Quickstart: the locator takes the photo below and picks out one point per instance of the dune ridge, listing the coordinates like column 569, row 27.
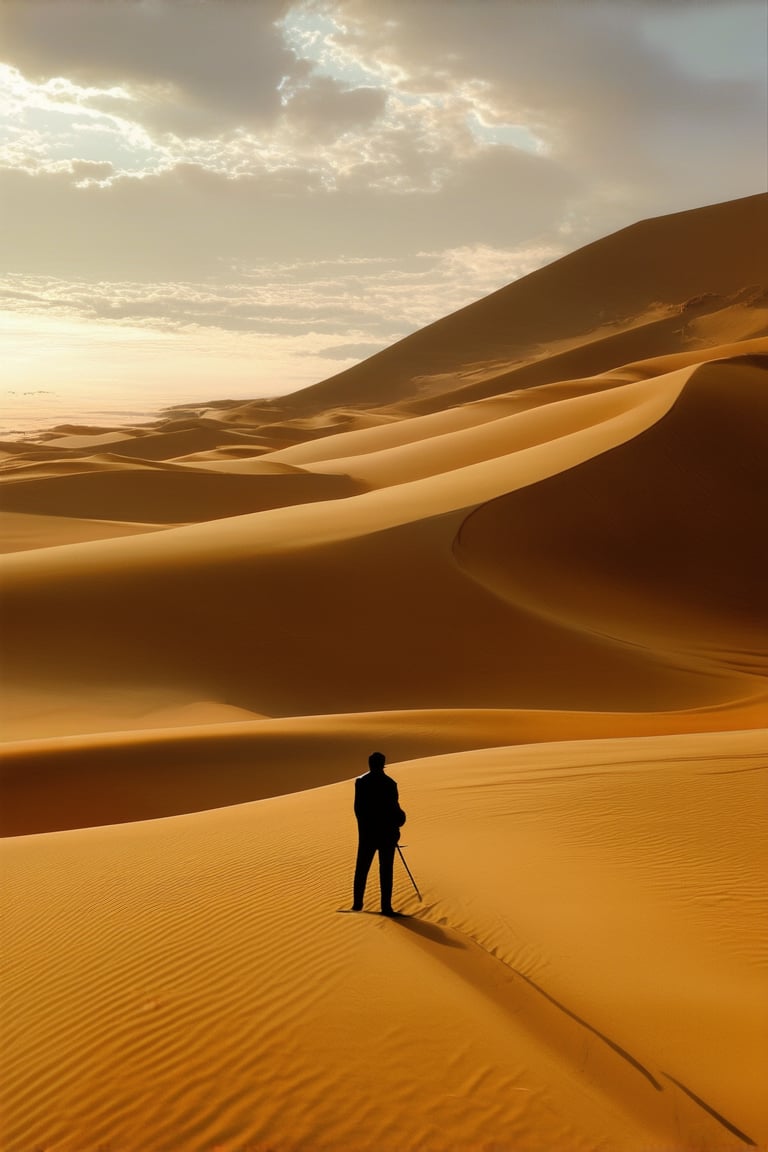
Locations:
column 199, row 764
column 671, row 261
column 522, row 552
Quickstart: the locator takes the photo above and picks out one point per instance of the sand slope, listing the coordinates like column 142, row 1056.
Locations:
column 246, row 610
column 585, row 970
column 686, row 262
column 523, row 553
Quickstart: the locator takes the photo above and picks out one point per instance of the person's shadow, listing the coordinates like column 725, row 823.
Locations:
column 423, row 928
column 428, row 931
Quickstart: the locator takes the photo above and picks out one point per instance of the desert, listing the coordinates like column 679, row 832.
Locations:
column 523, row 553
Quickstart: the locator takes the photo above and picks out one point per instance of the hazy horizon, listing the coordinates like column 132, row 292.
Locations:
column 232, row 200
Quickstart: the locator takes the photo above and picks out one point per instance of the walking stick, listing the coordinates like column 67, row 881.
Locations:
column 399, row 849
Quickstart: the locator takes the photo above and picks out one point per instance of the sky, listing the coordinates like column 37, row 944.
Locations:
column 202, row 199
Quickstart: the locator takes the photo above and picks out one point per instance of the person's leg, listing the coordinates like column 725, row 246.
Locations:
column 386, row 864
column 365, row 854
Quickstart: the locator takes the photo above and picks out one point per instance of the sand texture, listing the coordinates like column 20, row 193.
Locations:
column 522, row 552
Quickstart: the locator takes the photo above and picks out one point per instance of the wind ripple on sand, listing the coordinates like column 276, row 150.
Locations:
column 187, row 983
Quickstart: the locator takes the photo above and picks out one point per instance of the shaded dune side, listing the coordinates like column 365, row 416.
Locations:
column 165, row 496
column 117, row 777
column 20, row 531
column 394, row 433
column 251, row 613
column 384, row 621
column 161, row 442
column 69, row 708
column 534, row 395
column 667, row 260
column 660, row 542
column 593, row 406
column 668, row 336
column 76, row 463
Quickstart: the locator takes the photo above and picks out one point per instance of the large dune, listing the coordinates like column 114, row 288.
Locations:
column 523, row 552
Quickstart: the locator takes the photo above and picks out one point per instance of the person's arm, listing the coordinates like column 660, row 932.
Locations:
column 359, row 805
column 398, row 809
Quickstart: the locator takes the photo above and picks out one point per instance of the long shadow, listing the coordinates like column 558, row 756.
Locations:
column 433, row 933
column 589, row 1027
column 428, row 931
column 717, row 1115
column 423, row 928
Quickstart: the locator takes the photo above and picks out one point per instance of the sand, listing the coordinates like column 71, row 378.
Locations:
column 523, row 553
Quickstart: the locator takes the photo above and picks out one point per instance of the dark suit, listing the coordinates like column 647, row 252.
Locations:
column 379, row 817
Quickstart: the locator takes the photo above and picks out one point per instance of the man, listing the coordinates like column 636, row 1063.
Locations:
column 379, row 819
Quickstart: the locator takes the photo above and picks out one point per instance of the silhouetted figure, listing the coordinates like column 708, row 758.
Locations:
column 379, row 819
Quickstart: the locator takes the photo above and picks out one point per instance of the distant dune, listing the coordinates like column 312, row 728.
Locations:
column 523, row 552
column 695, row 275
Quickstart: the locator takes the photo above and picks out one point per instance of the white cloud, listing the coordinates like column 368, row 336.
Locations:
column 357, row 301
column 189, row 222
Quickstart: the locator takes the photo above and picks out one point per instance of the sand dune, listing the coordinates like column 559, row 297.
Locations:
column 165, row 497
column 542, row 425
column 658, row 543
column 20, row 532
column 171, row 441
column 670, row 260
column 523, row 552
column 369, row 589
column 584, row 971
column 186, row 758
column 667, row 337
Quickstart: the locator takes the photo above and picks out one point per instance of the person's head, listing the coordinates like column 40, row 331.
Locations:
column 376, row 761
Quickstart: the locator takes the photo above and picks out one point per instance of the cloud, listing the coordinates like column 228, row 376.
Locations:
column 336, row 174
column 622, row 127
column 189, row 222
column 586, row 78
column 324, row 110
column 345, row 306
column 194, row 66
column 350, row 351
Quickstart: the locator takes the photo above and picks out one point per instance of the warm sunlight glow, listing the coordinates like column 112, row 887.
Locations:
column 383, row 616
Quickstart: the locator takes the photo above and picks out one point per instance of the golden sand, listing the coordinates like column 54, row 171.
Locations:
column 522, row 552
